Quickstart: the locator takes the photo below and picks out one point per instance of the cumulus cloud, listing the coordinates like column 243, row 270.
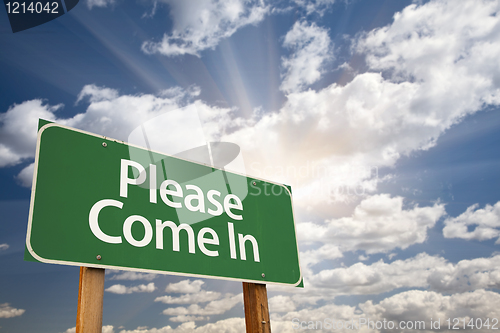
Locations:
column 486, row 223
column 132, row 276
column 315, row 6
column 413, row 305
column 435, row 64
column 121, row 289
column 185, row 287
column 183, row 318
column 99, row 3
column 25, row 177
column 18, row 130
column 200, row 25
column 311, row 49
column 422, row 271
column 281, row 303
column 378, row 277
column 4, row 246
column 378, row 224
column 112, row 115
column 230, row 325
column 198, row 297
column 6, row 311
column 105, row 329
column 216, row 307
column 466, row 275
column 417, row 305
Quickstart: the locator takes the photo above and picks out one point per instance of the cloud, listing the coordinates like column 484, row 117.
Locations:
column 4, row 246
column 311, row 49
column 230, row 325
column 466, row 275
column 6, row 311
column 486, row 221
column 200, row 25
column 281, row 303
column 185, row 287
column 132, row 276
column 417, row 305
column 198, row 297
column 339, row 135
column 315, row 6
column 108, row 114
column 413, row 305
column 216, row 307
column 421, row 271
column 99, row 3
column 378, row 277
column 18, row 130
column 378, row 224
column 25, row 177
column 97, row 94
column 121, row 289
column 183, row 318
column 431, row 67
column 105, row 329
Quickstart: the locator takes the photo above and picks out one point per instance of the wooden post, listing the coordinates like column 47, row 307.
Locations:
column 256, row 309
column 90, row 295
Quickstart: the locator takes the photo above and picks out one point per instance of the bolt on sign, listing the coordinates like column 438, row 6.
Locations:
column 103, row 203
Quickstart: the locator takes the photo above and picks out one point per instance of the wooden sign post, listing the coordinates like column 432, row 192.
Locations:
column 90, row 297
column 256, row 308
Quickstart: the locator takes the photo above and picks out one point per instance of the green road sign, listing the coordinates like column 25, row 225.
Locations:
column 100, row 202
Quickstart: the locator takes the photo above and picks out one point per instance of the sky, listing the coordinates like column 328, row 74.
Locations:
column 380, row 114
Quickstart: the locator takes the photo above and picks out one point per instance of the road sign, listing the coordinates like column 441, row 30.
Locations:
column 99, row 202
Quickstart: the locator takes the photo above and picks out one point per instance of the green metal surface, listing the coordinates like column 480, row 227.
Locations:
column 74, row 171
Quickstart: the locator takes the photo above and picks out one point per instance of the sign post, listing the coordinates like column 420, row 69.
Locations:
column 256, row 308
column 90, row 300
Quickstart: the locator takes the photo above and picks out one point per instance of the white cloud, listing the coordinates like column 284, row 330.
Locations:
column 99, row 3
column 198, row 297
column 105, row 329
column 422, row 271
column 6, row 311
column 435, row 64
column 378, row 224
column 466, row 275
column 18, row 130
column 97, row 94
column 310, row 258
column 315, row 6
column 216, row 307
column 378, row 277
column 4, row 246
column 230, row 325
column 281, row 303
column 200, row 25
column 25, row 177
column 108, row 114
column 185, row 287
column 486, row 222
column 438, row 64
column 311, row 49
column 417, row 305
column 413, row 305
column 121, row 289
column 126, row 275
column 184, row 318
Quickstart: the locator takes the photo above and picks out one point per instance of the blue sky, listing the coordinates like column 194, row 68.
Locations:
column 388, row 107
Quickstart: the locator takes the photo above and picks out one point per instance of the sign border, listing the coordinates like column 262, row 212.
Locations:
column 71, row 263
